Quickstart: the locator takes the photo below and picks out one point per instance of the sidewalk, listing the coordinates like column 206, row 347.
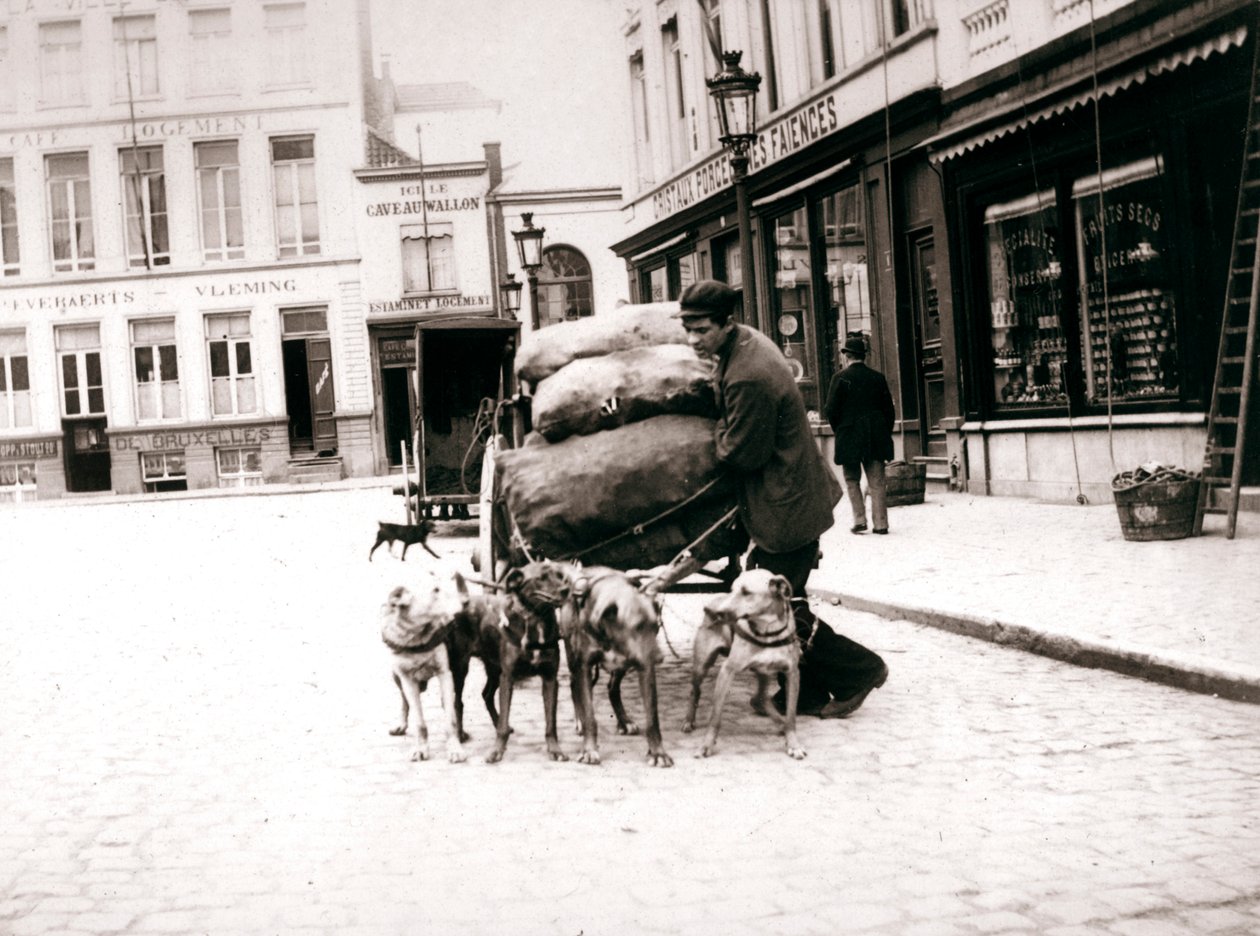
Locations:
column 1061, row 581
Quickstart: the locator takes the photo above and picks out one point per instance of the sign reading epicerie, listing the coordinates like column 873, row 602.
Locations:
column 782, row 138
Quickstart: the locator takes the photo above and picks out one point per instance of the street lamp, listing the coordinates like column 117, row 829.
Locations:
column 734, row 93
column 529, row 249
column 510, row 295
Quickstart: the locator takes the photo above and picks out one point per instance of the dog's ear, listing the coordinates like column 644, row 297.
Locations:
column 462, row 588
column 781, row 587
column 514, row 579
column 400, row 597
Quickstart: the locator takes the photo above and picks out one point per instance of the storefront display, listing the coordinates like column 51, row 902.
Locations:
column 1131, row 342
column 793, row 301
column 848, row 279
column 1026, row 301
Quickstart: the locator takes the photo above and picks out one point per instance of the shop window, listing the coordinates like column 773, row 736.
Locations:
column 15, row 381
column 156, row 369
column 1129, row 346
column 9, row 252
column 1029, row 346
column 239, row 467
column 297, row 207
column 17, row 482
column 82, row 379
column 793, row 301
column 219, row 200
column 135, row 57
column 70, row 210
column 232, row 384
column 564, row 286
column 144, row 205
column 657, row 284
column 213, row 60
column 428, row 257
column 60, row 63
column 847, row 272
column 163, row 471
column 6, row 72
column 286, row 44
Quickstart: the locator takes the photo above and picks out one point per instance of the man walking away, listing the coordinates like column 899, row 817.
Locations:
column 860, row 410
column 787, row 492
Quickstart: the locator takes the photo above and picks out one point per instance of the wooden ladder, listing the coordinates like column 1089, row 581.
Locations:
column 1236, row 353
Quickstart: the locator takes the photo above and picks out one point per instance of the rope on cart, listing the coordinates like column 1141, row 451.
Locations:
column 638, row 528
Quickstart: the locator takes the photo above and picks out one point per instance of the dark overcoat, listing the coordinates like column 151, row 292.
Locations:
column 787, row 490
column 860, row 410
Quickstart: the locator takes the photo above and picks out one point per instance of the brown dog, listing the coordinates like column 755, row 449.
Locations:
column 409, row 534
column 613, row 625
column 754, row 628
column 415, row 626
column 517, row 636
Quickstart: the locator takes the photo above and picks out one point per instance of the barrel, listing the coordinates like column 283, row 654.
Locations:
column 1157, row 510
column 906, row 483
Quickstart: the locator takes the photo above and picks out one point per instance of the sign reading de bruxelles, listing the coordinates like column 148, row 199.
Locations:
column 798, row 129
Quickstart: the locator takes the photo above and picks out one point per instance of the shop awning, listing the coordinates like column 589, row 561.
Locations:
column 1067, row 95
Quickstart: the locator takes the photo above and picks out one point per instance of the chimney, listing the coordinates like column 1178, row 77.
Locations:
column 494, row 163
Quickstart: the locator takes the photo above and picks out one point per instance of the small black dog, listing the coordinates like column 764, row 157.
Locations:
column 407, row 534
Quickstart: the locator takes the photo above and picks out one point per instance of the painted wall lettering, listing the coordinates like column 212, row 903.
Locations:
column 256, row 288
column 429, row 304
column 85, row 300
column 46, row 448
column 222, row 123
column 164, row 441
column 381, row 209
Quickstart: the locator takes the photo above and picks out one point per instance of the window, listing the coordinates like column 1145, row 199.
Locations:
column 795, row 54
column 213, row 61
column 675, row 97
column 428, row 261
column 297, row 210
column 564, row 286
column 642, row 129
column 82, row 381
column 15, row 381
column 232, row 387
column 847, row 273
column 713, row 41
column 144, row 198
column 156, row 369
column 657, row 284
column 728, row 267
column 8, row 220
column 286, row 44
column 793, row 300
column 827, row 37
column 239, row 467
column 219, row 201
column 6, row 72
column 1129, row 348
column 60, row 63
column 135, row 57
column 163, row 471
column 17, row 482
column 1025, row 301
column 70, row 212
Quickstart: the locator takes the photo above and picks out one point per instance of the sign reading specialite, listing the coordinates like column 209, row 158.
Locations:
column 794, row 131
column 429, row 304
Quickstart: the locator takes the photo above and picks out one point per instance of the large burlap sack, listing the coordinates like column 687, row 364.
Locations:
column 597, row 393
column 545, row 351
column 568, row 497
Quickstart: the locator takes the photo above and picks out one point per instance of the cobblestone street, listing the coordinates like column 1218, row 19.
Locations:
column 194, row 714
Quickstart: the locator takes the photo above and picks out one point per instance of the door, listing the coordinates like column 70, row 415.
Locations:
column 87, row 455
column 927, row 322
column 323, row 399
column 308, row 381
column 398, row 400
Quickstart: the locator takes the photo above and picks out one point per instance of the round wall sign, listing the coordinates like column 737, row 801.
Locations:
column 787, row 325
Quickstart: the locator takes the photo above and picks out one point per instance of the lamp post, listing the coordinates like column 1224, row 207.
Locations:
column 734, row 92
column 529, row 250
column 510, row 295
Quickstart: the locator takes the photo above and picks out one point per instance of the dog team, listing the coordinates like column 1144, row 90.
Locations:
column 604, row 619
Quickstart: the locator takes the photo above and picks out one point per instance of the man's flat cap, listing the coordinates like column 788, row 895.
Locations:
column 707, row 297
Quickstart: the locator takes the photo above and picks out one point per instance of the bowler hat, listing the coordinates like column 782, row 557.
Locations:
column 854, row 347
column 705, row 299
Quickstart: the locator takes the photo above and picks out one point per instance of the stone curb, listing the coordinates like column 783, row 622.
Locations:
column 1237, row 684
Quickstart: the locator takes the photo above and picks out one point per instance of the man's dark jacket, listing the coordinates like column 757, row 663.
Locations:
column 787, row 491
column 860, row 410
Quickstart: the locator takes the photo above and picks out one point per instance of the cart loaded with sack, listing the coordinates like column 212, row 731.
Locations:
column 605, row 455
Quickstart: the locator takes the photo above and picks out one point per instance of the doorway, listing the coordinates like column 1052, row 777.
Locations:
column 927, row 326
column 398, row 400
column 310, row 398
column 87, row 455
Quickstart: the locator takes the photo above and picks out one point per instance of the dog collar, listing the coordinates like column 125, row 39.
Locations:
column 742, row 628
column 438, row 637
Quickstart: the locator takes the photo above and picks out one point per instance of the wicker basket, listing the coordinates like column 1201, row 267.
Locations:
column 1156, row 505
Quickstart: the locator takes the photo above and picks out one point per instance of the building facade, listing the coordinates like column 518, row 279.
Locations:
column 934, row 175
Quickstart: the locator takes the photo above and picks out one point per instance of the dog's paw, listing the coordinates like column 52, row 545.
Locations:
column 796, row 753
column 558, row 755
column 688, row 726
column 629, row 728
column 494, row 757
column 456, row 756
column 707, row 751
column 399, row 730
column 659, row 759
column 420, row 755
column 589, row 757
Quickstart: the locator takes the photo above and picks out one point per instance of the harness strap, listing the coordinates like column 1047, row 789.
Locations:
column 432, row 643
column 780, row 639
